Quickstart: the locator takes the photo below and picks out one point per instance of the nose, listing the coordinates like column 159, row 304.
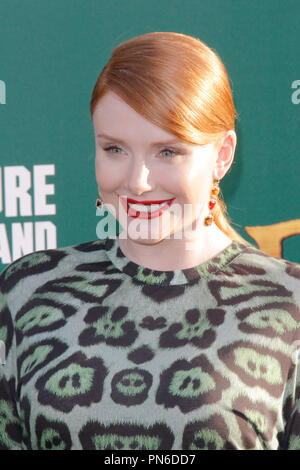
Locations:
column 139, row 178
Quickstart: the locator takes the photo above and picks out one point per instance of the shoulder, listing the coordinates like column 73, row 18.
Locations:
column 38, row 266
column 279, row 277
column 259, row 262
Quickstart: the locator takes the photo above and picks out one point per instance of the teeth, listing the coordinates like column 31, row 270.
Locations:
column 148, row 208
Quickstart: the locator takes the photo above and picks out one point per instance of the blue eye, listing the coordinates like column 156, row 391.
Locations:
column 168, row 150
column 115, row 149
column 111, row 148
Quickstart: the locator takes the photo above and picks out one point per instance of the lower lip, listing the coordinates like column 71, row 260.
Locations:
column 143, row 214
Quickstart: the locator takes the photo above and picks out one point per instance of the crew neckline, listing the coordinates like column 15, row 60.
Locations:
column 143, row 275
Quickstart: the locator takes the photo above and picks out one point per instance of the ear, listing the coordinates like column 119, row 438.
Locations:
column 225, row 154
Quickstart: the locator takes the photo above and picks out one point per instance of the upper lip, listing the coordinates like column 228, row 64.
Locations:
column 146, row 203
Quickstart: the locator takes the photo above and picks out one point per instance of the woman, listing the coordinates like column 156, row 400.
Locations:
column 177, row 334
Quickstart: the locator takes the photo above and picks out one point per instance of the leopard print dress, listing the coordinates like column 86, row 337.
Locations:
column 102, row 353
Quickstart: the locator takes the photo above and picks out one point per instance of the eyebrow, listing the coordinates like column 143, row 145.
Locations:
column 154, row 144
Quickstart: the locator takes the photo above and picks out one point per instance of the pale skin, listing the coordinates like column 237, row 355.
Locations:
column 132, row 164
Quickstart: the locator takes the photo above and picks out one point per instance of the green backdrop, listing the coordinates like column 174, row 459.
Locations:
column 51, row 52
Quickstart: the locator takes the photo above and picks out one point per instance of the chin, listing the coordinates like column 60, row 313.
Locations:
column 146, row 241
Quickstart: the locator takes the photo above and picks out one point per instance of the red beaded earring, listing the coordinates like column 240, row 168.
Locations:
column 212, row 202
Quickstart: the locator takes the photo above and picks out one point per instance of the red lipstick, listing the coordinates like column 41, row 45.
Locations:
column 133, row 201
column 145, row 214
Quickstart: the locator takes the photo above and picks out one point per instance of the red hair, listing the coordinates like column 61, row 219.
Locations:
column 178, row 83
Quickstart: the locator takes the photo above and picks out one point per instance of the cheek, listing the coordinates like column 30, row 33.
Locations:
column 107, row 176
column 198, row 179
column 192, row 186
column 174, row 179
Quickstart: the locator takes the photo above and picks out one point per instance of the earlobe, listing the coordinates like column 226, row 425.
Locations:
column 225, row 154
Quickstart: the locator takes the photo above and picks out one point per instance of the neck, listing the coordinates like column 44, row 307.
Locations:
column 171, row 254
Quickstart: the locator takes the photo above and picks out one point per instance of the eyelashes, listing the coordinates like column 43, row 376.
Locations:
column 112, row 149
column 169, row 150
column 109, row 149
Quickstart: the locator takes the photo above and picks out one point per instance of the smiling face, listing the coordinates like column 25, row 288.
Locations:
column 138, row 160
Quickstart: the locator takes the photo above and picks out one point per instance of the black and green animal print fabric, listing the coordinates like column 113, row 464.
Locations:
column 102, row 353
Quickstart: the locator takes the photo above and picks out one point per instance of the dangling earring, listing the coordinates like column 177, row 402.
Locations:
column 212, row 202
column 99, row 204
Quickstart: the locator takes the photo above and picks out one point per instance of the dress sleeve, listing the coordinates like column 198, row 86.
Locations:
column 290, row 439
column 10, row 422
